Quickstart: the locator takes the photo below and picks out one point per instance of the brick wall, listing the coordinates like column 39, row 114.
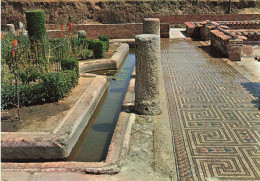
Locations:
column 219, row 42
column 180, row 19
column 241, row 24
column 226, row 44
column 234, row 49
column 250, row 34
column 201, row 29
column 114, row 31
column 165, row 30
column 192, row 30
column 205, row 31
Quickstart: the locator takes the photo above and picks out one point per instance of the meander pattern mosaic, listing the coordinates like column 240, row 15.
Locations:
column 214, row 114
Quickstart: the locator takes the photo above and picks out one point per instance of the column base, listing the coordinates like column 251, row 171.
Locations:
column 148, row 107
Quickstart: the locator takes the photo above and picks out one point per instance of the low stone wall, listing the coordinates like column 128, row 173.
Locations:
column 180, row 19
column 114, row 31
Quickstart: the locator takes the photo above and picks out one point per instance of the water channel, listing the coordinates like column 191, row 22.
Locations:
column 95, row 139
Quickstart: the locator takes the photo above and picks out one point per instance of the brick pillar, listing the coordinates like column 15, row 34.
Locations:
column 151, row 26
column 234, row 49
column 205, row 30
column 147, row 74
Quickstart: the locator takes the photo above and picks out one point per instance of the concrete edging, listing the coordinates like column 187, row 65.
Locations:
column 104, row 64
column 116, row 154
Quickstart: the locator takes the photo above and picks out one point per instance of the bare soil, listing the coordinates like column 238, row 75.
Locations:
column 249, row 11
column 111, row 51
column 37, row 118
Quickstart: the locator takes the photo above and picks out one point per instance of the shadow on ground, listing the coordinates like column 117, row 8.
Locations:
column 211, row 52
column 184, row 33
column 254, row 89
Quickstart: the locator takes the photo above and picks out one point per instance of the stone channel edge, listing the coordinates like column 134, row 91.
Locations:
column 118, row 147
column 104, row 64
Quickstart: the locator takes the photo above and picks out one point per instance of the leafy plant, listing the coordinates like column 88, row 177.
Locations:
column 70, row 64
column 30, row 74
column 57, row 85
column 105, row 39
column 98, row 47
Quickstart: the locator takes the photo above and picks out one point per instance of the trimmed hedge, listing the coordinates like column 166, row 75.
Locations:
column 29, row 94
column 56, row 85
column 98, row 47
column 51, row 87
column 105, row 39
column 70, row 63
column 29, row 75
column 36, row 24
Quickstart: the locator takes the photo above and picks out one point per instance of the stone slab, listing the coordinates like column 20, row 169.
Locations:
column 130, row 42
column 105, row 64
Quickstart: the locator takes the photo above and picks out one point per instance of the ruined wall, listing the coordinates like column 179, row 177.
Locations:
column 58, row 12
column 114, row 31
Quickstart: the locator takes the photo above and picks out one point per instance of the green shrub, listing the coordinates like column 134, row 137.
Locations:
column 57, row 85
column 105, row 39
column 31, row 94
column 84, row 43
column 29, row 75
column 52, row 87
column 98, row 47
column 28, row 95
column 85, row 54
column 81, row 34
column 7, row 96
column 36, row 24
column 70, row 63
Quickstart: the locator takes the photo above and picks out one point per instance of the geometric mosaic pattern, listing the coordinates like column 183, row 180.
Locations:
column 215, row 116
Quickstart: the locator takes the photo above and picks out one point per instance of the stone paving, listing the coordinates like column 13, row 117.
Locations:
column 214, row 115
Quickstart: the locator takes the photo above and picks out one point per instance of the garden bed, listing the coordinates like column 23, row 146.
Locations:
column 115, row 157
column 50, row 131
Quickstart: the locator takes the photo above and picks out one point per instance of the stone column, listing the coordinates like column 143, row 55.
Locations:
column 151, row 26
column 234, row 49
column 82, row 34
column 147, row 74
column 10, row 28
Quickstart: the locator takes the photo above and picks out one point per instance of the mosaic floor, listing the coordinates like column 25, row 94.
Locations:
column 214, row 114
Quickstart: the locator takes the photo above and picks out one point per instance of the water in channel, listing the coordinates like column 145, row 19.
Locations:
column 94, row 142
